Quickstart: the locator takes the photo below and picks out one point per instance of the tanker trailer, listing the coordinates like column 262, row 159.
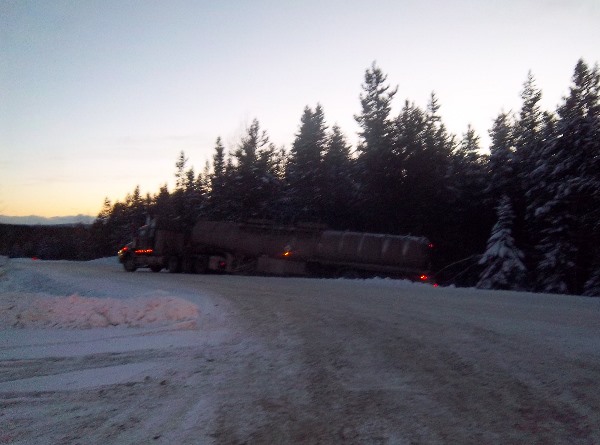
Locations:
column 258, row 246
column 372, row 253
column 266, row 248
column 221, row 246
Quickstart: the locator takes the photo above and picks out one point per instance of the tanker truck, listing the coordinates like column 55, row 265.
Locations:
column 259, row 247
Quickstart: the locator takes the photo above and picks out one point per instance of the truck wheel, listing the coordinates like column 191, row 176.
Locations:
column 174, row 266
column 187, row 265
column 201, row 264
column 155, row 268
column 129, row 264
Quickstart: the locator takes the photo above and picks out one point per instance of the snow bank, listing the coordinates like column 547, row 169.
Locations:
column 75, row 312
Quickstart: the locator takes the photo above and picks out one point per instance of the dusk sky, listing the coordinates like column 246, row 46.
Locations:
column 97, row 97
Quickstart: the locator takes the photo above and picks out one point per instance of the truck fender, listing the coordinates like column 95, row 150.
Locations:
column 174, row 265
column 129, row 263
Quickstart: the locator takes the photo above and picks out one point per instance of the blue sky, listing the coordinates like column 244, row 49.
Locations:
column 97, row 97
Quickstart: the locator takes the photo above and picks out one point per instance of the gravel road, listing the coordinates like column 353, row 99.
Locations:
column 278, row 360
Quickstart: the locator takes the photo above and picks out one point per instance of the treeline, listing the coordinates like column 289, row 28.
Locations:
column 58, row 242
column 410, row 175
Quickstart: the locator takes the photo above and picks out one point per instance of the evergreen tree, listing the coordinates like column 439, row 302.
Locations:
column 252, row 178
column 218, row 204
column 425, row 201
column 104, row 214
column 162, row 204
column 180, row 166
column 376, row 161
column 592, row 285
column 569, row 170
column 527, row 134
column 467, row 153
column 136, row 211
column 191, row 199
column 338, row 184
column 304, row 166
column 412, row 190
column 528, row 144
column 503, row 261
column 501, row 164
column 439, row 146
column 469, row 218
column 218, row 161
column 102, row 232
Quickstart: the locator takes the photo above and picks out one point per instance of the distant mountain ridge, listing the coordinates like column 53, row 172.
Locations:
column 34, row 220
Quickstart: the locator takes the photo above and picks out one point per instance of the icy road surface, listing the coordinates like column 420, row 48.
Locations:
column 193, row 359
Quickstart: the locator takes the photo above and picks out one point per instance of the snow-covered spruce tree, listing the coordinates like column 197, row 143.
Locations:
column 501, row 163
column 527, row 139
column 503, row 261
column 592, row 285
column 569, row 168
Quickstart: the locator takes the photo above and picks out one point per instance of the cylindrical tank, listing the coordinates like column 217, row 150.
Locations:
column 372, row 248
column 256, row 239
column 315, row 245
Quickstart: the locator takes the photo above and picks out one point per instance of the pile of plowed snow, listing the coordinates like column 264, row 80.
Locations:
column 22, row 310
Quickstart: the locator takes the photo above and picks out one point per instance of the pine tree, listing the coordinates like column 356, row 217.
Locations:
column 251, row 185
column 527, row 132
column 423, row 197
column 470, row 217
column 501, row 164
column 338, row 184
column 304, row 165
column 411, row 192
column 217, row 188
column 592, row 285
column 569, row 169
column 377, row 160
column 439, row 146
column 180, row 166
column 162, row 204
column 102, row 231
column 468, row 150
column 135, row 209
column 376, row 100
column 528, row 145
column 104, row 214
column 503, row 261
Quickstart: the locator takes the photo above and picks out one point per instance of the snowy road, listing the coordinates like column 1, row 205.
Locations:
column 274, row 360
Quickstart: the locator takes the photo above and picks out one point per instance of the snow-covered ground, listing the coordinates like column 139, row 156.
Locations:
column 92, row 354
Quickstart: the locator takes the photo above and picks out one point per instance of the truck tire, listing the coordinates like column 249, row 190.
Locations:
column 155, row 268
column 129, row 264
column 187, row 265
column 174, row 265
column 201, row 264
